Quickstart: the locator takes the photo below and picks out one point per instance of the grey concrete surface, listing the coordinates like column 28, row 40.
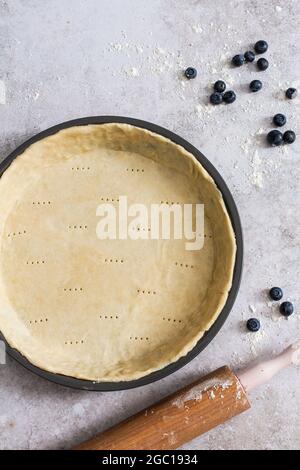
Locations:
column 64, row 59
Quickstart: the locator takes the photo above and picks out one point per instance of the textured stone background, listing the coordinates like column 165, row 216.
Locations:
column 68, row 58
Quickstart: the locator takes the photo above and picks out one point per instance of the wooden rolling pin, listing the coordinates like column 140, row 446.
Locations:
column 193, row 410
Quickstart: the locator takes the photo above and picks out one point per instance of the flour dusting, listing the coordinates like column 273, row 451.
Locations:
column 197, row 29
column 78, row 409
column 196, row 393
column 256, row 176
column 296, row 353
column 171, row 437
column 133, row 72
column 2, row 92
column 255, row 341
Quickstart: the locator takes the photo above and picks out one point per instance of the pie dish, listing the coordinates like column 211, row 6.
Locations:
column 107, row 310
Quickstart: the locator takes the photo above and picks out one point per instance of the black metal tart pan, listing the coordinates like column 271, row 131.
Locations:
column 236, row 223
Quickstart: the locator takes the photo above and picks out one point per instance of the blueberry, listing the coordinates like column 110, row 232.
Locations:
column 216, row 98
column 291, row 93
column 286, row 308
column 249, row 56
column 279, row 120
column 261, row 47
column 220, row 86
column 255, row 85
column 289, row 137
column 238, row 60
column 229, row 97
column 275, row 138
column 253, row 324
column 275, row 293
column 190, row 73
column 262, row 64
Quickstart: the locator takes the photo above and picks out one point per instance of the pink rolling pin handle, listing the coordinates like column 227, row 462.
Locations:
column 263, row 372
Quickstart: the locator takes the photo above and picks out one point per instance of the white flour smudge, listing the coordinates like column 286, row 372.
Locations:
column 197, row 392
column 78, row 409
column 256, row 176
column 133, row 72
column 296, row 354
column 2, row 92
column 255, row 341
column 171, row 437
column 197, row 29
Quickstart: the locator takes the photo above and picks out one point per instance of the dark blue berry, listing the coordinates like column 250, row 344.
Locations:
column 275, row 138
column 255, row 85
column 253, row 324
column 220, row 86
column 229, row 97
column 249, row 56
column 289, row 137
column 262, row 63
column 238, row 60
column 190, row 73
column 276, row 293
column 216, row 98
column 291, row 93
column 286, row 308
column 279, row 120
column 261, row 47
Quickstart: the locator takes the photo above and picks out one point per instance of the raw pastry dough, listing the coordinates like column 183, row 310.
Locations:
column 106, row 310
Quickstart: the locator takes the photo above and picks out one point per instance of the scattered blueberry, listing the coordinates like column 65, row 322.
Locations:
column 190, row 73
column 275, row 138
column 276, row 293
column 249, row 56
column 238, row 60
column 262, row 63
column 279, row 120
column 289, row 137
column 291, row 93
column 255, row 85
column 286, row 308
column 220, row 86
column 253, row 324
column 216, row 98
column 261, row 47
column 229, row 97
